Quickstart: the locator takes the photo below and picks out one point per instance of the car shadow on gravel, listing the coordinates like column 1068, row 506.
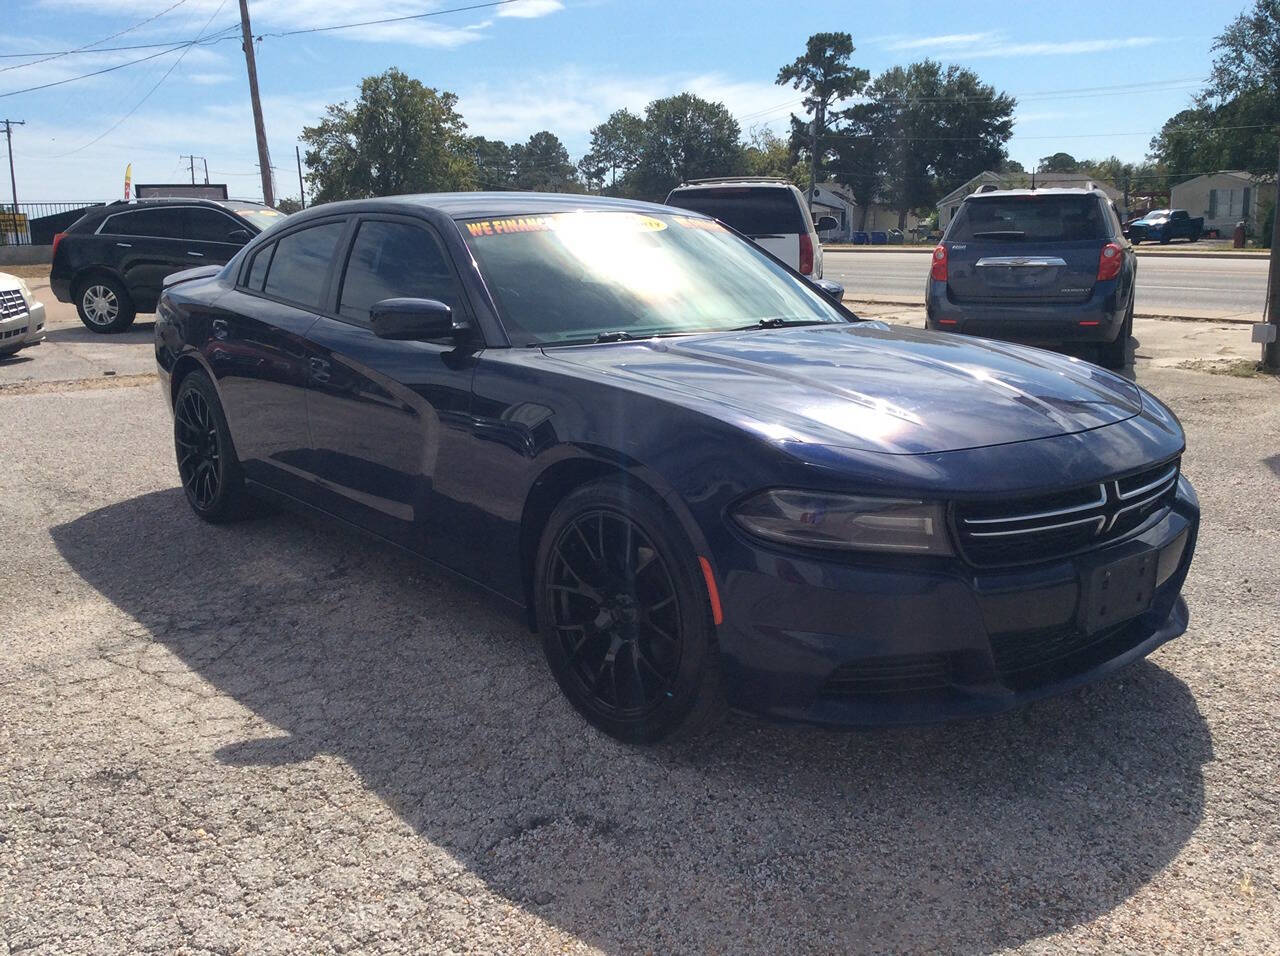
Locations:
column 138, row 332
column 964, row 837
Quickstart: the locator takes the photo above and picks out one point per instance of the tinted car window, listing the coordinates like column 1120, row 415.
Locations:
column 209, row 225
column 1030, row 218
column 156, row 223
column 258, row 267
column 752, row 211
column 300, row 267
column 394, row 259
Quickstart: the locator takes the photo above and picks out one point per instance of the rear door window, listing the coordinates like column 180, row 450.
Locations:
column 392, row 260
column 1029, row 219
column 752, row 211
column 146, row 223
column 300, row 269
column 258, row 267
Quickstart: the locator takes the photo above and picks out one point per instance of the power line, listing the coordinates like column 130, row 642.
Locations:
column 110, row 49
column 147, row 95
column 81, row 49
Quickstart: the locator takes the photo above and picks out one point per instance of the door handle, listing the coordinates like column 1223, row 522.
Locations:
column 319, row 369
column 198, row 255
column 220, row 328
column 125, row 245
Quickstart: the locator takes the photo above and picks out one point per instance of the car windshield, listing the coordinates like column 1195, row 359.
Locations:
column 261, row 216
column 1028, row 218
column 573, row 277
column 1156, row 214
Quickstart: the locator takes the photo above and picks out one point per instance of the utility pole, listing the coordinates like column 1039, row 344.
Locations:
column 13, row 180
column 192, row 162
column 264, row 162
column 302, row 192
column 1271, row 329
column 206, row 170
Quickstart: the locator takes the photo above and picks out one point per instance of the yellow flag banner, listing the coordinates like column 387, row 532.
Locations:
column 128, row 180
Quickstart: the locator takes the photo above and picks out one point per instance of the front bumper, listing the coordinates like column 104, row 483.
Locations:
column 1099, row 319
column 905, row 641
column 19, row 331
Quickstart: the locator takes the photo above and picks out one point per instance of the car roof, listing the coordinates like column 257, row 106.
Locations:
column 120, row 205
column 479, row 205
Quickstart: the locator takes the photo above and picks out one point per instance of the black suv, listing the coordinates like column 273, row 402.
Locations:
column 112, row 261
column 1043, row 266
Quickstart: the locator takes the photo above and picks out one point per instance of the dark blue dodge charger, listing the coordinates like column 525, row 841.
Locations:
column 701, row 479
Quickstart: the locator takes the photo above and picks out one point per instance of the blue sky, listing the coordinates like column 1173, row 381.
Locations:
column 562, row 65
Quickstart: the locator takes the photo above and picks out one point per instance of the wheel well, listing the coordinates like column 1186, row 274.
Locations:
column 548, row 491
column 84, row 275
column 181, row 369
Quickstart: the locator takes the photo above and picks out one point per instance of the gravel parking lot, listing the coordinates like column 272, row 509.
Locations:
column 281, row 737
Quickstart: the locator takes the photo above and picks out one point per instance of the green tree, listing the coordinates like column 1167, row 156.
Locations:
column 825, row 76
column 492, row 161
column 542, row 164
column 288, row 205
column 1058, row 163
column 922, row 131
column 685, row 137
column 767, row 154
column 399, row 137
column 615, row 150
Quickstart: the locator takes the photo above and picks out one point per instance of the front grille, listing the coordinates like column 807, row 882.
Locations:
column 1026, row 659
column 1046, row 527
column 894, row 674
column 12, row 303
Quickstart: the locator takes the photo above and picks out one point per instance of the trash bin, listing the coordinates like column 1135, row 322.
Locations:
column 1237, row 236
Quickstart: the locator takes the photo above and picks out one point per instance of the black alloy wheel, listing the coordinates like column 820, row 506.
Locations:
column 207, row 463
column 624, row 615
column 614, row 609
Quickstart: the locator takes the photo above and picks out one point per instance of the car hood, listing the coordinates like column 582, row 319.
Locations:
column 869, row 386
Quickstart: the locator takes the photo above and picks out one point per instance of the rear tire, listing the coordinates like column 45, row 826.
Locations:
column 104, row 304
column 624, row 616
column 212, row 478
column 1115, row 355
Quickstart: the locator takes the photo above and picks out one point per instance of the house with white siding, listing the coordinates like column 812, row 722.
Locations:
column 1224, row 199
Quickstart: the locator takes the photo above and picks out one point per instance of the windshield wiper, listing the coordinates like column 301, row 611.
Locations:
column 778, row 322
column 1000, row 234
column 616, row 336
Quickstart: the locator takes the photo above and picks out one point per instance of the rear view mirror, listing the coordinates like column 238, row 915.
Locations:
column 239, row 235
column 826, row 223
column 411, row 320
column 832, row 290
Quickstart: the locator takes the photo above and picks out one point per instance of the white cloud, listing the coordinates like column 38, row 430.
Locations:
column 991, row 44
column 528, row 9
column 208, row 79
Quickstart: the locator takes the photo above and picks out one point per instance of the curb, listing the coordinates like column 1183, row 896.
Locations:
column 1142, row 251
column 1157, row 316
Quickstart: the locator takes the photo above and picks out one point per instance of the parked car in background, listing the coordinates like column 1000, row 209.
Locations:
column 692, row 473
column 772, row 213
column 1165, row 225
column 1044, row 266
column 21, row 316
column 111, row 262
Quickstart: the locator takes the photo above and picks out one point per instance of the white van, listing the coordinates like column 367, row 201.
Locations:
column 771, row 212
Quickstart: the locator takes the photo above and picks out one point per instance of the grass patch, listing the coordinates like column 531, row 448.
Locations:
column 1236, row 368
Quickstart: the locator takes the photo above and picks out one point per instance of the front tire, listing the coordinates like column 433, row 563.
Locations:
column 207, row 464
column 624, row 616
column 104, row 305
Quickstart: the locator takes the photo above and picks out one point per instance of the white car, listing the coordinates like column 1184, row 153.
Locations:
column 21, row 316
column 772, row 213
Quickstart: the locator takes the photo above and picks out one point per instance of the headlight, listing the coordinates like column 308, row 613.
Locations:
column 822, row 520
column 24, row 289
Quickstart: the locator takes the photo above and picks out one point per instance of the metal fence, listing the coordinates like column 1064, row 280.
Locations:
column 36, row 223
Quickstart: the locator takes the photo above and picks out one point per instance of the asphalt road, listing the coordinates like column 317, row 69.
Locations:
column 278, row 736
column 1183, row 285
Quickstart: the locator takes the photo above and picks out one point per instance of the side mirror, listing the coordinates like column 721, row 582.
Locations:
column 412, row 320
column 832, row 290
column 827, row 222
column 239, row 235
